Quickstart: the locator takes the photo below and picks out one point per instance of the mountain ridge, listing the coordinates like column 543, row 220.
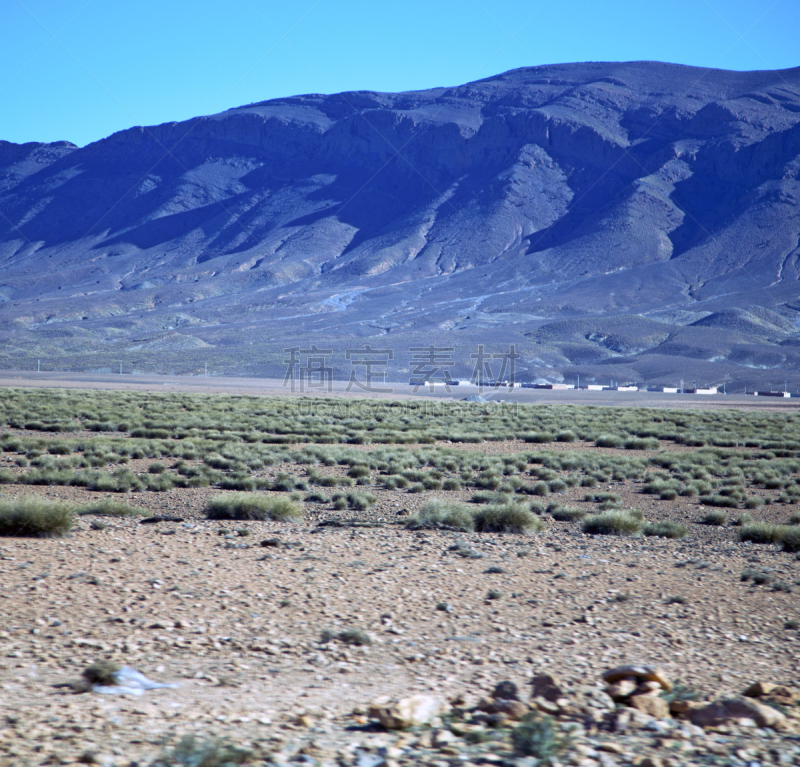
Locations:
column 482, row 211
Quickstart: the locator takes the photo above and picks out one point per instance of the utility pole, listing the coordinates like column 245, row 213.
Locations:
column 579, row 380
column 38, row 366
column 206, row 373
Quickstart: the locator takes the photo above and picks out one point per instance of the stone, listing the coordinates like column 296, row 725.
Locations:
column 732, row 709
column 649, row 704
column 546, row 686
column 685, row 707
column 413, row 711
column 650, row 761
column 758, row 689
column 513, row 709
column 785, row 696
column 622, row 689
column 506, row 691
column 646, row 688
column 640, row 673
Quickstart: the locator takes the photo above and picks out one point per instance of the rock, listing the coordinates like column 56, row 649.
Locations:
column 443, row 738
column 649, row 704
column 513, row 709
column 758, row 689
column 640, row 673
column 648, row 688
column 622, row 689
column 506, row 691
column 650, row 761
column 546, row 686
column 685, row 707
column 413, row 711
column 720, row 712
column 784, row 696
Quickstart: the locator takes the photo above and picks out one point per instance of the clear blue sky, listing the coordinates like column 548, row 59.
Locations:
column 82, row 69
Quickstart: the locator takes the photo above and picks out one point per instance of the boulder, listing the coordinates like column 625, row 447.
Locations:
column 506, row 691
column 622, row 688
column 512, row 709
column 651, row 705
column 546, row 686
column 640, row 673
column 413, row 711
column 720, row 712
column 685, row 707
column 757, row 689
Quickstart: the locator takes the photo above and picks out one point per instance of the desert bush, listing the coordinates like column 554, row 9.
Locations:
column 451, row 484
column 102, row 672
column 790, row 538
column 566, row 436
column 249, row 506
column 443, row 515
column 625, row 522
column 28, row 516
column 665, row 529
column 719, row 500
column 194, row 752
column 761, row 532
column 753, row 502
column 506, row 518
column 715, row 519
column 538, row 736
column 609, row 440
column 568, row 514
column 109, row 507
column 317, row 497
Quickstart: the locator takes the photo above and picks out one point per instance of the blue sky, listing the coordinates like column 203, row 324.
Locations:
column 81, row 69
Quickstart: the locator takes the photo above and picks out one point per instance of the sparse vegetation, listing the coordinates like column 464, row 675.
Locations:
column 627, row 522
column 665, row 529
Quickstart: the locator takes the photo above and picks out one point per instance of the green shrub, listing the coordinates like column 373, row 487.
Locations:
column 719, row 500
column 193, row 752
column 715, row 519
column 443, row 515
column 317, row 497
column 761, row 532
column 451, row 484
column 156, row 468
column 665, row 529
column 790, row 538
column 753, row 502
column 358, row 471
column 609, row 440
column 354, row 637
column 248, row 506
column 506, row 518
column 109, row 507
column 627, row 522
column 29, row 516
column 568, row 514
column 540, row 437
column 538, row 737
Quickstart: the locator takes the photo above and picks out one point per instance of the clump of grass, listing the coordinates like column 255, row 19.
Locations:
column 193, row 752
column 156, row 468
column 609, row 440
column 567, row 514
column 715, row 519
column 794, row 519
column 791, row 625
column 110, row 507
column 719, row 500
column 506, row 518
column 102, row 672
column 753, row 502
column 249, row 506
column 538, row 737
column 665, row 529
column 317, row 497
column 443, row 515
column 790, row 538
column 28, row 516
column 761, row 532
column 743, row 519
column 493, row 594
column 626, row 522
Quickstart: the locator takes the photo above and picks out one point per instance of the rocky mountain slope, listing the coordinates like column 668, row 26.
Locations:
column 636, row 221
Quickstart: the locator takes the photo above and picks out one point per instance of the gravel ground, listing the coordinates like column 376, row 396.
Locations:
column 237, row 625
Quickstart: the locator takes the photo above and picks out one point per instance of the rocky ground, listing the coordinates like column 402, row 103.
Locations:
column 280, row 636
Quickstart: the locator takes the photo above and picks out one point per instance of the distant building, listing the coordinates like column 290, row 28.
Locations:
column 559, row 386
column 701, row 390
column 664, row 389
column 595, row 387
column 773, row 394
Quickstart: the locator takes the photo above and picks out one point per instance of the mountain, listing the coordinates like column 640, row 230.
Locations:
column 636, row 221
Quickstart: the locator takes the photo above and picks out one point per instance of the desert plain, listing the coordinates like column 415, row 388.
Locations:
column 431, row 548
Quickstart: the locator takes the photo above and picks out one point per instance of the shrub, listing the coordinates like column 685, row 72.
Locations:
column 743, row 519
column 627, row 522
column 794, row 519
column 537, row 736
column 29, row 516
column 248, row 506
column 540, row 437
column 506, row 518
column 493, row 594
column 358, row 471
column 566, row 436
column 715, row 518
column 156, row 468
column 719, row 500
column 317, row 497
column 443, row 515
column 103, row 672
column 753, row 502
column 761, row 532
column 191, row 752
column 109, row 507
column 451, row 484
column 790, row 538
column 568, row 515
column 665, row 529
column 609, row 440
